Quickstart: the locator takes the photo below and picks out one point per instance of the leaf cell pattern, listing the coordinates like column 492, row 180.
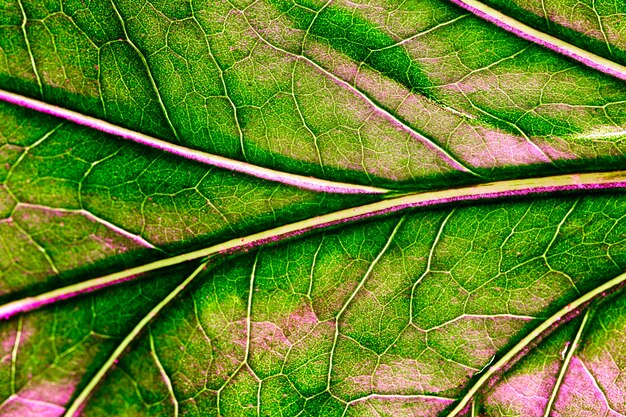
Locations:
column 312, row 208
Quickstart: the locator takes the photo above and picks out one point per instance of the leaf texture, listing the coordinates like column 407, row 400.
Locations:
column 312, row 208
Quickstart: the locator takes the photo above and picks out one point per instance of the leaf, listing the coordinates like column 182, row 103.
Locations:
column 296, row 207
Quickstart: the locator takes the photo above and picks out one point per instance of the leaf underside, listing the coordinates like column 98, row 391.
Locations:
column 312, row 208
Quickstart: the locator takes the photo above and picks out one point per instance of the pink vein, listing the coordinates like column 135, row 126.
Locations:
column 548, row 41
column 488, row 191
column 300, row 181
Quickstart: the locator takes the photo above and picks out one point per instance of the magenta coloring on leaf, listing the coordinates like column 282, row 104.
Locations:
column 16, row 406
column 525, row 394
column 580, row 390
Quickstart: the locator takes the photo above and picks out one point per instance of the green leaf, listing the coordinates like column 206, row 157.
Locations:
column 299, row 207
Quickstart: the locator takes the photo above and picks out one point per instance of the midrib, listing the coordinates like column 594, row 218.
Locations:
column 500, row 190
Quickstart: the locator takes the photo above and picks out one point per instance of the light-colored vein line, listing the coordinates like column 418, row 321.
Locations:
column 565, row 365
column 590, row 181
column 135, row 238
column 313, row 20
column 353, row 295
column 533, row 335
column 78, row 402
column 57, row 408
column 87, row 214
column 420, row 34
column 249, row 308
column 214, row 207
column 545, row 13
column 401, row 397
column 135, row 385
column 143, row 60
column 510, row 235
column 16, row 345
column 537, row 148
column 554, row 236
column 164, row 375
column 473, row 409
column 55, row 46
column 79, row 191
column 303, row 120
column 555, row 44
column 470, row 370
column 601, row 135
column 482, row 316
column 313, row 264
column 601, row 26
column 258, row 399
column 222, row 80
column 489, row 66
column 595, row 384
column 39, row 247
column 443, row 153
column 301, row 181
column 99, row 79
column 28, row 48
column 360, row 344
column 428, row 263
column 54, row 367
column 246, row 357
column 27, row 149
column 374, row 411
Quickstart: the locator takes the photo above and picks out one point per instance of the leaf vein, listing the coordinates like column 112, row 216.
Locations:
column 543, row 39
column 82, row 397
column 304, row 182
column 450, row 159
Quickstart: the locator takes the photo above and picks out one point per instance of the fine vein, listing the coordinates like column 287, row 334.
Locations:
column 489, row 191
column 301, row 181
column 450, row 159
column 353, row 295
column 548, row 41
column 401, row 397
column 144, row 61
column 30, row 51
column 164, row 376
column 89, row 215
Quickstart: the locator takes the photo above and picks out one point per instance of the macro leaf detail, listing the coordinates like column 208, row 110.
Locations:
column 312, row 208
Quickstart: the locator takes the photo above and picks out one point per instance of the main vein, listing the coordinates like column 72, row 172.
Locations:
column 541, row 38
column 488, row 191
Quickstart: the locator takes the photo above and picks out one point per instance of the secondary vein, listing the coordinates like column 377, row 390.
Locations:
column 541, row 38
column 565, row 366
column 300, row 181
column 532, row 336
column 443, row 153
column 91, row 385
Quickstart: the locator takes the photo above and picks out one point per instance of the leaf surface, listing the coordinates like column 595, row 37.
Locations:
column 312, row 208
